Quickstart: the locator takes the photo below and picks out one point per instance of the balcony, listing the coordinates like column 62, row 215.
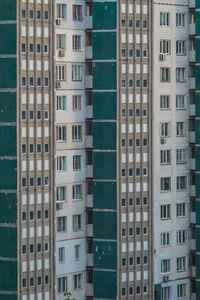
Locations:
column 192, row 3
column 89, row 112
column 89, row 171
column 88, row 52
column 192, row 110
column 192, row 217
column 88, row 82
column 88, row 141
column 89, row 201
column 192, row 191
column 192, row 56
column 192, row 271
column 89, row 260
column 192, row 83
column 192, row 29
column 192, row 164
column 192, row 244
column 89, row 230
column 191, row 136
column 88, row 22
column 89, row 289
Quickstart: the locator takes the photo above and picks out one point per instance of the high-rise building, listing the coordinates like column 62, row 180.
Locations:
column 99, row 149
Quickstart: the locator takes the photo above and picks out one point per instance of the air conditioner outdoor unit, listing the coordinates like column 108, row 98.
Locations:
column 162, row 141
column 61, row 53
column 161, row 57
column 165, row 278
column 59, row 21
column 59, row 205
column 58, row 84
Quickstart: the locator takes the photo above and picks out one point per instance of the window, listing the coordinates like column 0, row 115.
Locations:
column 181, row 264
column 165, row 211
column 23, row 14
column 77, row 12
column 77, row 192
column 61, row 103
column 181, row 237
column 62, row 11
column 181, row 47
column 164, row 19
column 165, row 46
column 165, row 184
column 179, row 128
column 164, row 129
column 165, row 156
column 78, row 284
column 61, row 72
column 181, row 182
column 61, row 192
column 180, row 156
column 62, row 284
column 61, row 224
column 180, row 209
column 61, row 254
column 76, row 133
column 180, row 102
column 77, row 252
column 180, row 19
column 180, row 75
column 60, row 41
column 181, row 290
column 165, row 239
column 166, row 293
column 164, row 102
column 76, row 42
column 165, row 265
column 76, row 72
column 76, row 102
column 61, row 163
column 76, row 162
column 77, row 222
column 164, row 74
column 61, row 133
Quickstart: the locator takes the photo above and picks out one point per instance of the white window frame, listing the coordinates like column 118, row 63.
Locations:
column 76, row 42
column 165, row 157
column 61, row 285
column 61, row 164
column 181, row 237
column 165, row 265
column 165, row 211
column 164, row 129
column 77, row 72
column 164, row 19
column 181, row 264
column 61, row 41
column 61, row 224
column 77, row 222
column 61, row 72
column 180, row 210
column 180, row 101
column 61, row 254
column 180, row 19
column 181, row 156
column 180, row 129
column 61, row 133
column 165, row 74
column 61, row 193
column 61, row 11
column 78, row 281
column 77, row 133
column 181, row 290
column 165, row 47
column 77, row 162
column 164, row 102
column 77, row 192
column 163, row 184
column 180, row 47
column 61, row 102
column 165, row 239
column 180, row 75
column 181, row 183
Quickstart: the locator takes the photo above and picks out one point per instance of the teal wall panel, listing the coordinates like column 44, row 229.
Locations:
column 105, row 225
column 10, row 180
column 8, row 45
column 8, row 275
column 197, row 53
column 8, row 208
column 8, row 112
column 197, row 23
column 105, row 255
column 104, row 15
column 198, row 212
column 197, row 73
column 8, row 145
column 104, row 135
column 105, row 106
column 104, row 165
column 105, row 285
column 8, row 9
column 197, row 101
column 104, row 195
column 198, row 240
column 104, row 76
column 197, row 126
column 8, row 297
column 198, row 264
column 8, row 79
column 197, row 185
column 104, row 45
column 157, row 292
column 8, row 247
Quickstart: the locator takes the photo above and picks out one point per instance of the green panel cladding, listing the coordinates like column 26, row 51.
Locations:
column 105, row 255
column 104, row 135
column 8, row 10
column 197, row 177
column 197, row 77
column 8, row 297
column 8, row 208
column 157, row 292
column 104, row 165
column 8, row 79
column 198, row 241
column 104, row 105
column 105, row 225
column 8, row 45
column 197, row 53
column 198, row 264
column 104, row 45
column 104, row 195
column 8, row 143
column 197, row 101
column 10, row 180
column 8, row 247
column 197, row 212
column 197, row 23
column 104, row 75
column 8, row 108
column 104, row 15
column 8, row 282
column 105, row 284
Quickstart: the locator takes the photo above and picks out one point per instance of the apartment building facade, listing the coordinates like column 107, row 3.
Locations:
column 99, row 149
